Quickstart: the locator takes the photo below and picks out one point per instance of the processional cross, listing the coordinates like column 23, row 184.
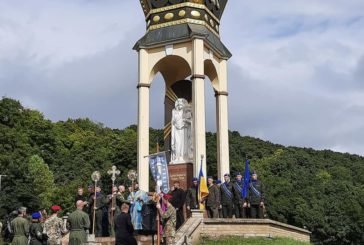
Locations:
column 113, row 172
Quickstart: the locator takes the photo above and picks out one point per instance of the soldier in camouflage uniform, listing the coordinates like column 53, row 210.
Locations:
column 169, row 218
column 120, row 196
column 20, row 228
column 53, row 227
column 213, row 199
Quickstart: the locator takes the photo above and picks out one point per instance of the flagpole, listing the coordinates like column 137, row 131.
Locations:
column 157, row 153
column 158, row 215
column 199, row 189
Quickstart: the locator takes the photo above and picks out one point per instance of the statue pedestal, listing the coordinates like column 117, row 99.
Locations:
column 182, row 172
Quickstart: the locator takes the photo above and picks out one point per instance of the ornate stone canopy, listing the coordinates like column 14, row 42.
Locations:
column 161, row 13
column 180, row 20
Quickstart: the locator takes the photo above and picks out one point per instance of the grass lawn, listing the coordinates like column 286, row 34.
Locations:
column 251, row 241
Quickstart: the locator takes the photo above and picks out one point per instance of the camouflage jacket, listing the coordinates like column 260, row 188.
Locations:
column 53, row 228
column 169, row 219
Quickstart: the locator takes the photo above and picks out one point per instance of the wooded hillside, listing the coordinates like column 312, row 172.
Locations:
column 45, row 162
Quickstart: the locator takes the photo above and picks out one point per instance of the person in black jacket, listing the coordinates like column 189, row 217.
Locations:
column 101, row 202
column 256, row 197
column 178, row 199
column 123, row 227
column 227, row 195
column 240, row 204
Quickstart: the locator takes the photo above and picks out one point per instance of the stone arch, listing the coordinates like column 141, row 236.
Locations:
column 211, row 73
column 173, row 68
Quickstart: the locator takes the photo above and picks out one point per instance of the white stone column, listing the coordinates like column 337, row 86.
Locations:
column 198, row 103
column 143, row 121
column 223, row 164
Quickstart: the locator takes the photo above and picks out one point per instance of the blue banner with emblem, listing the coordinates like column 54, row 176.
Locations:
column 159, row 169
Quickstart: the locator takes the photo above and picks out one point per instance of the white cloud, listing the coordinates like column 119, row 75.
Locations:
column 296, row 76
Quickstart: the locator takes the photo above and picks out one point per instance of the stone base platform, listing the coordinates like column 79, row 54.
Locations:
column 142, row 240
column 195, row 228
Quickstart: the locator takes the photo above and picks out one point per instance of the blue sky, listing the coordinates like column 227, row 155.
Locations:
column 296, row 76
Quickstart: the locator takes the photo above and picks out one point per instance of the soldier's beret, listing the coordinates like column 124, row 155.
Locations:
column 36, row 215
column 167, row 197
column 218, row 181
column 55, row 208
column 226, row 175
column 238, row 173
column 194, row 179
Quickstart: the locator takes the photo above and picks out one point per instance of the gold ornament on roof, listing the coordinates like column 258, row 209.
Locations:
column 169, row 16
column 181, row 13
column 195, row 13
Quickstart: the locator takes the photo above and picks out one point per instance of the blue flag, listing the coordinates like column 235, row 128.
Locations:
column 244, row 191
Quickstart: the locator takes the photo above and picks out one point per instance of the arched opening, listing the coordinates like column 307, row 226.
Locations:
column 167, row 84
column 172, row 68
column 211, row 85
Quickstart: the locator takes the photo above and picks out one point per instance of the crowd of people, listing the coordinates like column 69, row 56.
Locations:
column 123, row 214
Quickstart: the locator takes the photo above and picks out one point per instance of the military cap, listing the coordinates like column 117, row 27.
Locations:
column 167, row 197
column 55, row 208
column 238, row 173
column 194, row 179
column 36, row 215
column 22, row 209
column 210, row 177
column 218, row 181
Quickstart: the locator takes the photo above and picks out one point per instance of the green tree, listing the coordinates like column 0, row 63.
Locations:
column 42, row 180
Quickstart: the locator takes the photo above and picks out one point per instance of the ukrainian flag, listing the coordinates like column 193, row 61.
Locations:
column 203, row 191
